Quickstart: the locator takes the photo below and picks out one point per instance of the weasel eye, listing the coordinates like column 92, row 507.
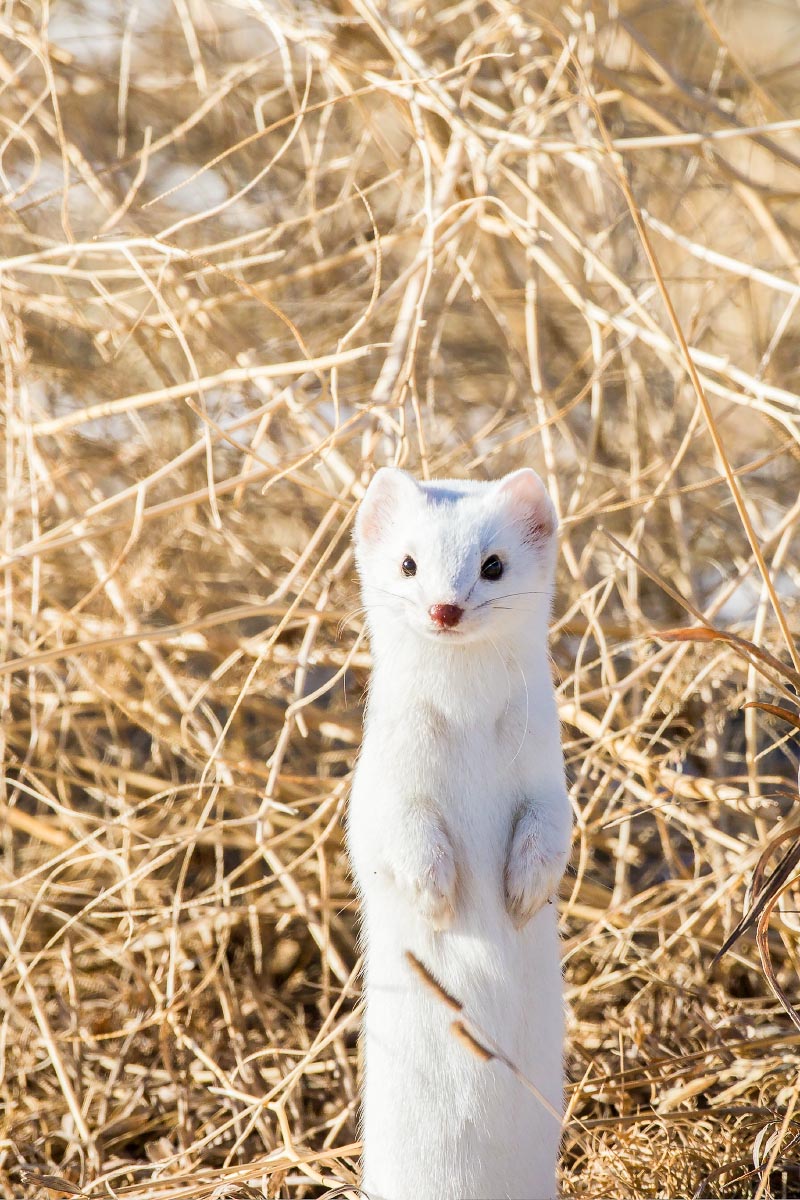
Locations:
column 409, row 567
column 492, row 568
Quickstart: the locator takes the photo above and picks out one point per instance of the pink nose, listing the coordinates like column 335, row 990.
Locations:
column 445, row 615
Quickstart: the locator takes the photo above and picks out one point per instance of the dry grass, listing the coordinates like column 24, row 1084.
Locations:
column 249, row 251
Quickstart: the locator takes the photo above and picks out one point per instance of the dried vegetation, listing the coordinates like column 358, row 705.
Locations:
column 249, row 251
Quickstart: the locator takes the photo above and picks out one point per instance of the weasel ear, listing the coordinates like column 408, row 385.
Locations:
column 528, row 500
column 386, row 489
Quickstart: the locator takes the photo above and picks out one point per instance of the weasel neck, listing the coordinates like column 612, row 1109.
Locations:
column 460, row 680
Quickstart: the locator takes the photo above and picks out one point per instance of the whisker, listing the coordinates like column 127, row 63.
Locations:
column 515, row 660
column 385, row 592
column 527, row 710
column 508, row 677
column 354, row 612
column 508, row 596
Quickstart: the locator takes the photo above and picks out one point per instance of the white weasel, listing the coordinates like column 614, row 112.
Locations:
column 458, row 832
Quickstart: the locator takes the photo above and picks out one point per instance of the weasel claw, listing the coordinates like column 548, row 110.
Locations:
column 431, row 883
column 530, row 880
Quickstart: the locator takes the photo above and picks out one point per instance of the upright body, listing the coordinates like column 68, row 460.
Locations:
column 459, row 832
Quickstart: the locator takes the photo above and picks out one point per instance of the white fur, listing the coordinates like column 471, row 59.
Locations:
column 458, row 832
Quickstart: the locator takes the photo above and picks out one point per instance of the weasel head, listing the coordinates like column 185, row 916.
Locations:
column 456, row 562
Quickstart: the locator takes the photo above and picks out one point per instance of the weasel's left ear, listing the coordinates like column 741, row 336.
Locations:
column 531, row 506
column 376, row 511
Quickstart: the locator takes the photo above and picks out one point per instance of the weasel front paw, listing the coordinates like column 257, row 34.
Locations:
column 428, row 876
column 532, row 875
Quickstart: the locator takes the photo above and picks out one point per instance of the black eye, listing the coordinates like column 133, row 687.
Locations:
column 492, row 568
column 409, row 567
